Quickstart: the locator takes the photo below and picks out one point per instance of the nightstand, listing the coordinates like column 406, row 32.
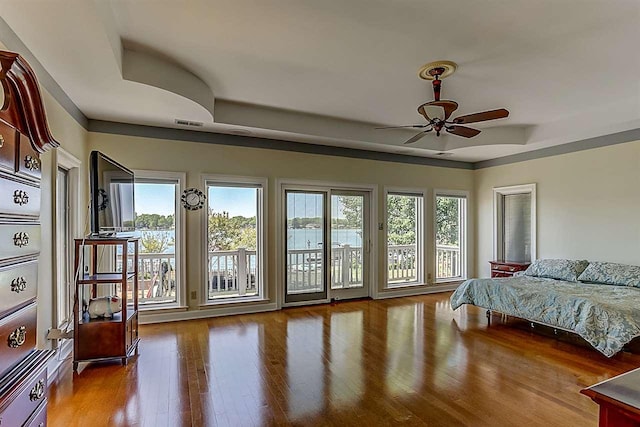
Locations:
column 507, row 268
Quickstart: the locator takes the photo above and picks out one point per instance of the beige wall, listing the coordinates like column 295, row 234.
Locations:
column 73, row 139
column 588, row 204
column 198, row 158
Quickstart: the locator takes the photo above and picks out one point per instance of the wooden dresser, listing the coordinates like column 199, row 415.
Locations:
column 24, row 134
column 507, row 268
column 619, row 400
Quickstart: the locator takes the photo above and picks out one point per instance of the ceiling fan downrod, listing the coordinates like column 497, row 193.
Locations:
column 437, row 83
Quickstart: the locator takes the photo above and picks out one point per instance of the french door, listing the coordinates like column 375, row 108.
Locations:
column 306, row 245
column 327, row 245
column 350, row 244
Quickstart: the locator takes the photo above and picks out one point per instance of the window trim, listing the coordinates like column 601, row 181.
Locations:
column 464, row 246
column 263, row 225
column 515, row 189
column 421, row 269
column 67, row 161
column 180, row 226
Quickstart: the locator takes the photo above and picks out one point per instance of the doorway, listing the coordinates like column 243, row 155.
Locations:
column 327, row 246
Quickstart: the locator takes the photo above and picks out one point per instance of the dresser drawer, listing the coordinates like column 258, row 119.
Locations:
column 39, row 418
column 19, row 199
column 18, row 240
column 31, row 394
column 504, row 267
column 28, row 160
column 17, row 337
column 18, row 284
column 7, row 147
column 498, row 273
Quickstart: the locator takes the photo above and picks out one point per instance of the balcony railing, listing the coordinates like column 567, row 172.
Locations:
column 234, row 273
column 448, row 262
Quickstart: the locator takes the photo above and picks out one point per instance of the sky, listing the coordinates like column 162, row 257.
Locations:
column 238, row 201
column 155, row 199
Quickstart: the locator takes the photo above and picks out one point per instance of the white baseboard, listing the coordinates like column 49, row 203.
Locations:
column 149, row 318
column 62, row 353
column 413, row 291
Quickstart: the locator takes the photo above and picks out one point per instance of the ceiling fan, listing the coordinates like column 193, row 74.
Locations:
column 436, row 71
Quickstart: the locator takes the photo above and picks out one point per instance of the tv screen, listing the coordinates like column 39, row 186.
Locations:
column 112, row 206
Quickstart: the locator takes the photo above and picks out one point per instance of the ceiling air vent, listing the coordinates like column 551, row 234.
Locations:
column 188, row 123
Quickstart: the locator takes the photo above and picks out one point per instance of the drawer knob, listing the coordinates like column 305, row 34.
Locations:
column 20, row 197
column 37, row 391
column 17, row 337
column 21, row 239
column 31, row 163
column 1, row 141
column 18, row 285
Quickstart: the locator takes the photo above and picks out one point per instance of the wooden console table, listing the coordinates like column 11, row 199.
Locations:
column 619, row 399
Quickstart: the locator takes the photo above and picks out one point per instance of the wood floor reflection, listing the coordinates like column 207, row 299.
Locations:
column 409, row 361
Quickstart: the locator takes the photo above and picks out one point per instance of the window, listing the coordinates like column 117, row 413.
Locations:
column 158, row 224
column 67, row 227
column 450, row 236
column 63, row 243
column 515, row 223
column 235, row 267
column 405, row 219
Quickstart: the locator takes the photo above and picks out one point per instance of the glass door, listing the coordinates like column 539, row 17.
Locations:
column 305, row 245
column 350, row 244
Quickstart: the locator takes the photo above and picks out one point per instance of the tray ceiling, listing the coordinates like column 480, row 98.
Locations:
column 328, row 72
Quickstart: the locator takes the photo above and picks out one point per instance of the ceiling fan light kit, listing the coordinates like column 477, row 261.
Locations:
column 435, row 72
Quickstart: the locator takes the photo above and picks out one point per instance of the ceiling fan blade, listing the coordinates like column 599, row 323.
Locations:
column 463, row 131
column 418, row 136
column 448, row 106
column 407, row 126
column 481, row 117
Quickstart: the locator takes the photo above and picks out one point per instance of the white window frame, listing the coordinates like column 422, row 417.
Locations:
column 65, row 160
column 180, row 229
column 464, row 244
column 421, row 257
column 514, row 189
column 261, row 253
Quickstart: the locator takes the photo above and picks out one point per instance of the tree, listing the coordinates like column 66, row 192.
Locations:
column 156, row 243
column 230, row 233
column 401, row 219
column 447, row 221
column 154, row 222
column 352, row 210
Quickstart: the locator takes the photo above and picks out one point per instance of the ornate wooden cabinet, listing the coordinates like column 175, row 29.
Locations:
column 24, row 134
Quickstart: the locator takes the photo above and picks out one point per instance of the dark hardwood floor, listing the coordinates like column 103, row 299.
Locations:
column 408, row 361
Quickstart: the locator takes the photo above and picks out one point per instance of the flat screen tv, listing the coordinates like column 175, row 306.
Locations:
column 112, row 205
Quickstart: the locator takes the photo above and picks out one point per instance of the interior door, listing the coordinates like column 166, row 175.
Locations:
column 306, row 243
column 350, row 245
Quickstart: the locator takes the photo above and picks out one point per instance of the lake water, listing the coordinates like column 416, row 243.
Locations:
column 302, row 238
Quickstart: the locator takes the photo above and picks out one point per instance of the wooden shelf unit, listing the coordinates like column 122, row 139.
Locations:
column 106, row 338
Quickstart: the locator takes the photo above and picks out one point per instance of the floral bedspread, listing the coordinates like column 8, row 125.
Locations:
column 606, row 316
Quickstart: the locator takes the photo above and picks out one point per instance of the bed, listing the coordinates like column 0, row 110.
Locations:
column 607, row 316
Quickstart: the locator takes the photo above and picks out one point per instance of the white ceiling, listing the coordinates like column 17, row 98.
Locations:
column 328, row 71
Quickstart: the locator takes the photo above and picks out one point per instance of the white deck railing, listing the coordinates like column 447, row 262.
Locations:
column 448, row 262
column 234, row 273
